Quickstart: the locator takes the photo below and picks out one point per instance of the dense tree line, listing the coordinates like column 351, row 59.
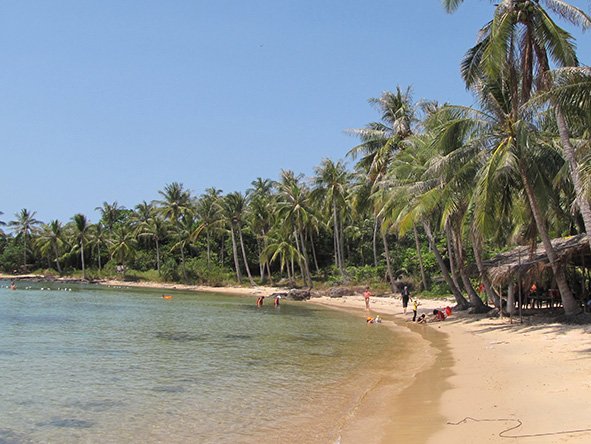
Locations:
column 433, row 187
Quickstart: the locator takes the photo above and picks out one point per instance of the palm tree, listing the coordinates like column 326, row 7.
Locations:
column 209, row 212
column 111, row 214
column 261, row 206
column 149, row 224
column 176, row 202
column 81, row 227
column 380, row 143
column 516, row 43
column 332, row 183
column 24, row 225
column 294, row 209
column 51, row 239
column 234, row 205
column 122, row 245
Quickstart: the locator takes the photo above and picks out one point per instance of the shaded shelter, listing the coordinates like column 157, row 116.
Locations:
column 525, row 265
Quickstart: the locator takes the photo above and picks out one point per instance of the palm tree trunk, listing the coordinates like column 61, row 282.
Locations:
column 375, row 241
column 306, row 263
column 475, row 300
column 313, row 248
column 158, row 256
column 571, row 160
column 388, row 262
column 183, row 262
column 25, row 251
column 571, row 307
column 235, row 253
column 420, row 257
column 452, row 262
column 477, row 249
column 99, row 256
column 337, row 238
column 208, row 247
column 460, row 300
column 82, row 259
column 244, row 257
column 57, row 260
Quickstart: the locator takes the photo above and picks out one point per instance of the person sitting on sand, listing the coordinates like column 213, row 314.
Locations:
column 378, row 319
column 422, row 319
column 369, row 320
column 438, row 315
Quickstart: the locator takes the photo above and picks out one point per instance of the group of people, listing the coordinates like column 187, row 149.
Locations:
column 276, row 300
column 438, row 314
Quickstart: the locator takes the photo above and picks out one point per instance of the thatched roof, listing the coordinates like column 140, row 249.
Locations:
column 523, row 261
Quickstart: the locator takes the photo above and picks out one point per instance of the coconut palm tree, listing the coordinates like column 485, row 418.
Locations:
column 518, row 42
column 209, row 212
column 24, row 225
column 332, row 183
column 294, row 209
column 81, row 233
column 51, row 241
column 234, row 205
column 176, row 202
column 122, row 245
column 111, row 214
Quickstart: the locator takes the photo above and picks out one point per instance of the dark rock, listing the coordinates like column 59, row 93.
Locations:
column 298, row 295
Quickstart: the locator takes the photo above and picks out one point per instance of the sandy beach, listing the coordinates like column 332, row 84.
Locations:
column 469, row 379
column 494, row 375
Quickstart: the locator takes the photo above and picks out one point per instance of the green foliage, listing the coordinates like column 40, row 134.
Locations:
column 11, row 256
column 198, row 271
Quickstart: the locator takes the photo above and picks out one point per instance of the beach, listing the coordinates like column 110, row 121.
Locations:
column 497, row 373
column 470, row 378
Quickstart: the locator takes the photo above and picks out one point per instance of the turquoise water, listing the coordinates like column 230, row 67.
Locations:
column 97, row 364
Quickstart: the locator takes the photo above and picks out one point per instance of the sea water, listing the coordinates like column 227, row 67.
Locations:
column 98, row 364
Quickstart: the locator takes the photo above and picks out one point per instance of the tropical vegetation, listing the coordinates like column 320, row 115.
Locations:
column 432, row 188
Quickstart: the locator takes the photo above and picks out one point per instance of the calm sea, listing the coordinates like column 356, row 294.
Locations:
column 108, row 365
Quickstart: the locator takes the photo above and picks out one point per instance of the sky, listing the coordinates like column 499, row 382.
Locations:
column 112, row 100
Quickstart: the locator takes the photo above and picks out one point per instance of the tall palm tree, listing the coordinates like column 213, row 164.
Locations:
column 176, row 202
column 82, row 229
column 111, row 214
column 24, row 225
column 519, row 41
column 51, row 240
column 122, row 244
column 209, row 212
column 332, row 183
column 234, row 205
column 295, row 211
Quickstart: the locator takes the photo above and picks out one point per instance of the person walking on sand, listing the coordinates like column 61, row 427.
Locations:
column 405, row 297
column 415, row 308
column 366, row 295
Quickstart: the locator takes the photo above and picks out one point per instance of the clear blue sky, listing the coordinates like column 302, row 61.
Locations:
column 111, row 100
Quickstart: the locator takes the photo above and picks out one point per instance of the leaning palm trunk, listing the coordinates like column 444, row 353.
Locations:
column 337, row 238
column 244, row 257
column 462, row 303
column 57, row 259
column 479, row 306
column 571, row 307
column 452, row 260
column 235, row 254
column 305, row 258
column 477, row 249
column 420, row 257
column 571, row 160
column 388, row 262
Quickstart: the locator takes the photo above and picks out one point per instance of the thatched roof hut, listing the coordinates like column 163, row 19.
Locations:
column 524, row 261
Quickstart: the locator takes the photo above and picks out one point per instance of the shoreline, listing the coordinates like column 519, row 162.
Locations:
column 498, row 372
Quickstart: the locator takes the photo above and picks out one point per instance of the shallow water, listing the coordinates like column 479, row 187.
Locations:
column 99, row 364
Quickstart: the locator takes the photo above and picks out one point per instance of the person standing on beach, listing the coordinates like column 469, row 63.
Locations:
column 366, row 295
column 415, row 308
column 405, row 297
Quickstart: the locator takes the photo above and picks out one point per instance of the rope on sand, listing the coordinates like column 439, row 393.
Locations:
column 503, row 433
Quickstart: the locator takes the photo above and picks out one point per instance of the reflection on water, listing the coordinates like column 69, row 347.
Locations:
column 112, row 365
